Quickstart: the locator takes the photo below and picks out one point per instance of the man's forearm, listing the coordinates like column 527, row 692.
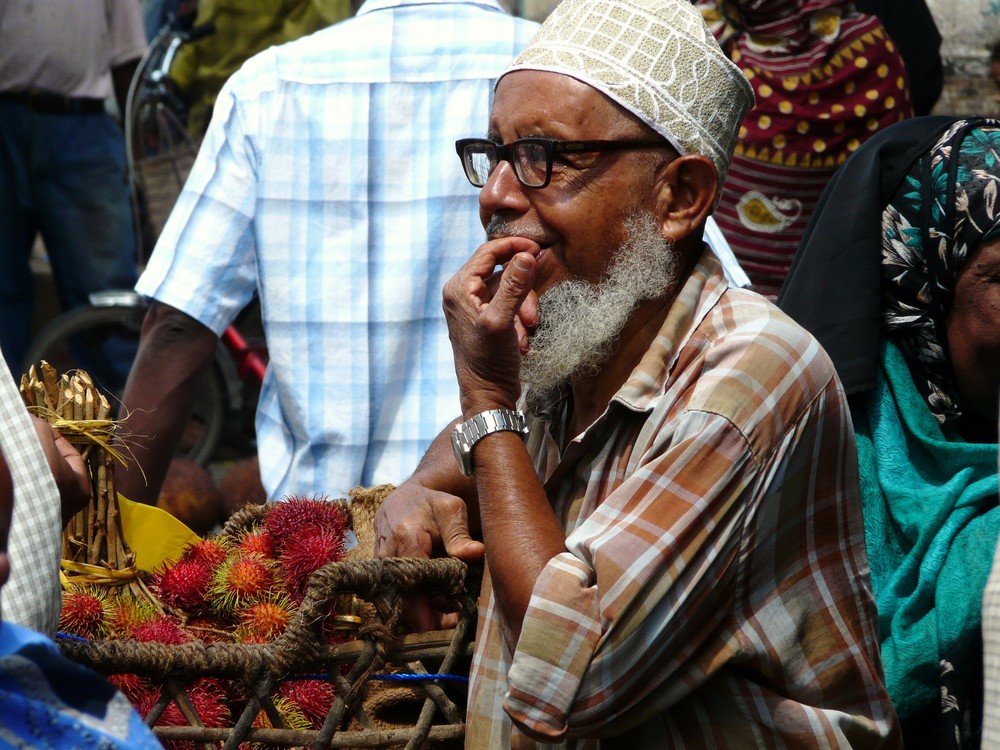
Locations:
column 175, row 352
column 438, row 470
column 520, row 530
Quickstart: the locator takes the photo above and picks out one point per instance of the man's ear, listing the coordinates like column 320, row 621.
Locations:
column 686, row 190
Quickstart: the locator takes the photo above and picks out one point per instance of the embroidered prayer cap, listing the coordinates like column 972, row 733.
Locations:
column 657, row 59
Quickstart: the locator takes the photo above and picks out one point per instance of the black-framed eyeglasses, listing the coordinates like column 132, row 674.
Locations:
column 531, row 158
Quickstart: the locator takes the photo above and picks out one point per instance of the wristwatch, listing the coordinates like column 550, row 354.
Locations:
column 467, row 434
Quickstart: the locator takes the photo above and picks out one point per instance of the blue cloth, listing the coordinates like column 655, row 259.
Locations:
column 63, row 176
column 328, row 180
column 931, row 521
column 48, row 701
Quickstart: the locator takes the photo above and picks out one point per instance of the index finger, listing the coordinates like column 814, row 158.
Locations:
column 498, row 252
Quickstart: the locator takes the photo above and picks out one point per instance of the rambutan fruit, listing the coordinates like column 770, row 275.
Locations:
column 84, row 612
column 211, row 551
column 137, row 689
column 305, row 554
column 256, row 542
column 263, row 621
column 161, row 629
column 240, row 581
column 292, row 516
column 184, row 585
column 126, row 613
column 209, row 629
column 290, row 714
column 313, row 698
column 209, row 701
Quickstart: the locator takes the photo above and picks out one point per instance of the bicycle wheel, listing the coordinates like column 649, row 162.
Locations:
column 103, row 341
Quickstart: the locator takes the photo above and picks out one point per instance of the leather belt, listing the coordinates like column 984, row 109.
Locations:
column 47, row 103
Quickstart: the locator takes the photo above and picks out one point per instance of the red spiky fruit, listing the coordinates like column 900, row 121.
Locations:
column 313, row 698
column 264, row 621
column 84, row 613
column 210, row 551
column 307, row 553
column 137, row 689
column 144, row 696
column 125, row 613
column 209, row 700
column 240, row 581
column 290, row 518
column 289, row 712
column 184, row 585
column 209, row 629
column 256, row 542
column 161, row 629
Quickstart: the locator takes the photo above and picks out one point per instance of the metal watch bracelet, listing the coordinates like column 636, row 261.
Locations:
column 466, row 435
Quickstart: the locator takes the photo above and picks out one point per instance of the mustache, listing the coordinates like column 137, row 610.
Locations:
column 498, row 226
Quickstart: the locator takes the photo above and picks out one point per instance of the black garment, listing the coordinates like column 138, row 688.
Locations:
column 834, row 287
column 912, row 28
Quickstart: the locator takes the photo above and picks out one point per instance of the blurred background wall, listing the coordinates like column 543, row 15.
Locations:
column 969, row 29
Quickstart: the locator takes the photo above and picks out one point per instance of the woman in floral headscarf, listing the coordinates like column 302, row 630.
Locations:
column 825, row 80
column 898, row 276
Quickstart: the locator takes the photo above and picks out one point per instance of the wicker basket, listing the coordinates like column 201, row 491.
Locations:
column 372, row 708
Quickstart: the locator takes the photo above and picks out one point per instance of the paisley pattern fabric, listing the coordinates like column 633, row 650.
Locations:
column 944, row 208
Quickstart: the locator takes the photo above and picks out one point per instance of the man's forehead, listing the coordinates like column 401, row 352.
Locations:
column 545, row 97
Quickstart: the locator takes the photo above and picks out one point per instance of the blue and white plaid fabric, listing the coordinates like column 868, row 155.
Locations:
column 329, row 181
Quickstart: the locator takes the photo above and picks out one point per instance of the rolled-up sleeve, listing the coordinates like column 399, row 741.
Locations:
column 647, row 580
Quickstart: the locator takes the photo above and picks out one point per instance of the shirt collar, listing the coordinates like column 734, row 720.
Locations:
column 700, row 293
column 648, row 381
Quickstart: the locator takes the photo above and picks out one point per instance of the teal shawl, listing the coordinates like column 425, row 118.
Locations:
column 931, row 519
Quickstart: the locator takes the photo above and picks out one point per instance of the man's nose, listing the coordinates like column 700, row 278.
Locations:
column 503, row 192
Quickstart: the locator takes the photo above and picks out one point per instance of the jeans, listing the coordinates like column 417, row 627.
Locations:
column 65, row 177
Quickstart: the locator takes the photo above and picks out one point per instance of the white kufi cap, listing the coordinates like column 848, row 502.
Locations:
column 657, row 59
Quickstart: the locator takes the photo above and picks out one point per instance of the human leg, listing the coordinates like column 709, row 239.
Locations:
column 85, row 214
column 17, row 233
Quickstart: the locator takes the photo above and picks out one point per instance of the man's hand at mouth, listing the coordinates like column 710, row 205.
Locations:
column 490, row 315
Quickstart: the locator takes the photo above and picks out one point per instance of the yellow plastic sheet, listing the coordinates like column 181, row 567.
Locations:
column 153, row 534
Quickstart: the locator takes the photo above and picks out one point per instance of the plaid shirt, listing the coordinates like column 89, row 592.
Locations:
column 329, row 181
column 715, row 593
column 32, row 596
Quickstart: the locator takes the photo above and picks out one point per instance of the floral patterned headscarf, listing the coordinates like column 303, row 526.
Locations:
column 945, row 207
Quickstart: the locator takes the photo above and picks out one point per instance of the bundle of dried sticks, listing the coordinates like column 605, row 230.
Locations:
column 94, row 547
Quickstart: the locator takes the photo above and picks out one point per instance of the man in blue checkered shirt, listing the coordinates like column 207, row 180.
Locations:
column 328, row 185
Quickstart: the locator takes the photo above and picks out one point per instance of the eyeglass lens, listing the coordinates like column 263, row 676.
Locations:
column 529, row 159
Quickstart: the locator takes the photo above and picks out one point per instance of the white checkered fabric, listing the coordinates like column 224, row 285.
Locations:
column 32, row 596
column 328, row 182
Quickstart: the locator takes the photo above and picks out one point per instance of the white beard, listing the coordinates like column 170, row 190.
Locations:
column 579, row 323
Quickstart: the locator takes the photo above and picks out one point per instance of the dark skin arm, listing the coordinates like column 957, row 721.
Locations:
column 68, row 469
column 175, row 352
column 432, row 513
column 486, row 321
column 121, row 78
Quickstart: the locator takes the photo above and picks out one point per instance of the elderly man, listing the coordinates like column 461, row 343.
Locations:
column 660, row 468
